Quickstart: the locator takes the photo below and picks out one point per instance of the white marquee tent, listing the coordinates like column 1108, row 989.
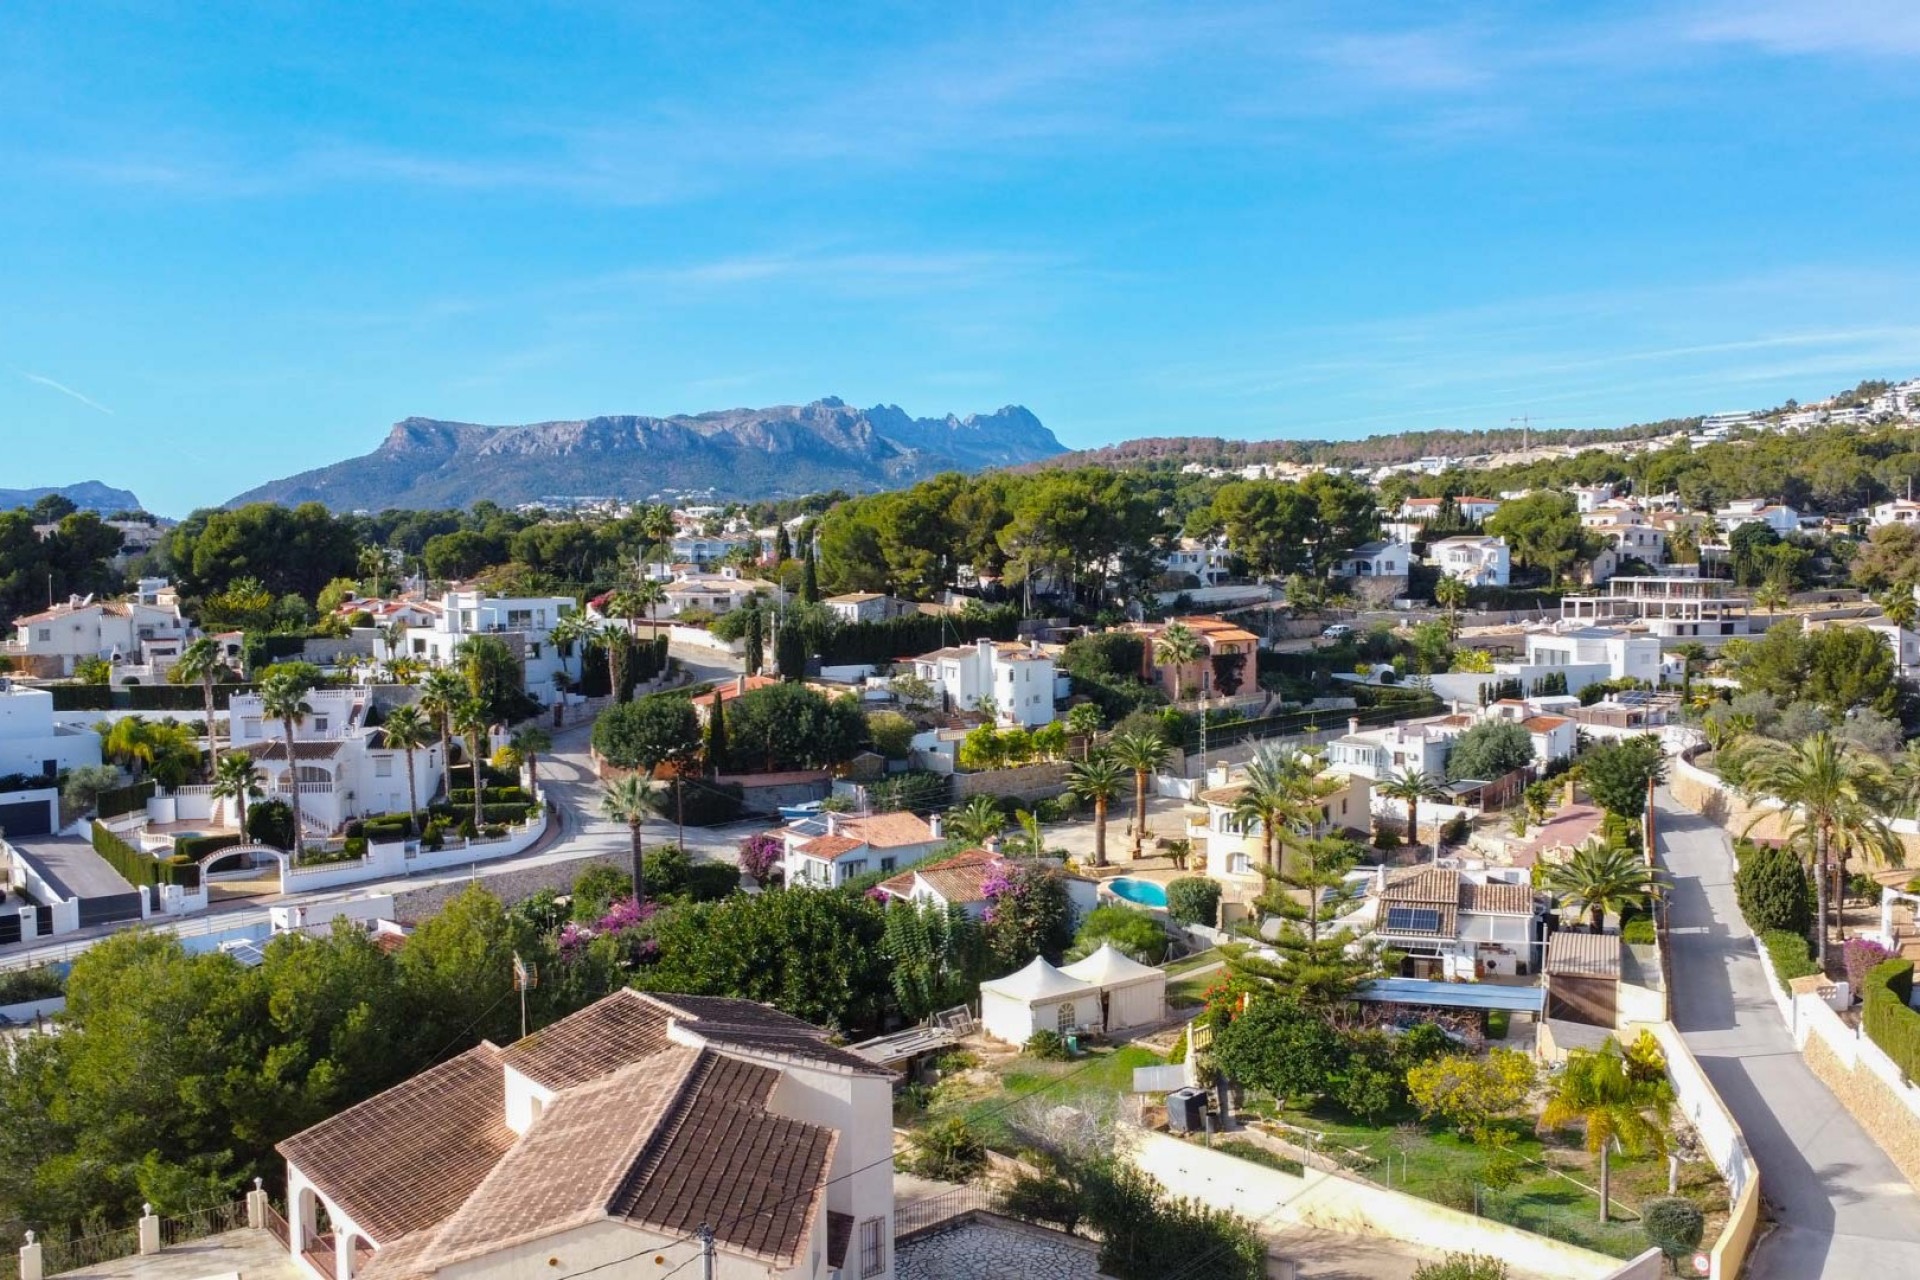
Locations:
column 1131, row 994
column 1037, row 998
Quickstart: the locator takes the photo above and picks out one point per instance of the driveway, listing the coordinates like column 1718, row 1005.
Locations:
column 72, row 867
column 1842, row 1209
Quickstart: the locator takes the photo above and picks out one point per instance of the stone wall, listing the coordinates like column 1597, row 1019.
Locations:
column 509, row 884
column 1028, row 781
column 1872, row 1101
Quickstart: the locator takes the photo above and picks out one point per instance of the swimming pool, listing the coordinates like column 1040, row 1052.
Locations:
column 1142, row 893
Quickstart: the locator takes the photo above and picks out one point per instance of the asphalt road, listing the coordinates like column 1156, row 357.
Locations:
column 1841, row 1207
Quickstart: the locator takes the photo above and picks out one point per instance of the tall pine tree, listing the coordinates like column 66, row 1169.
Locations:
column 756, row 640
column 1320, row 962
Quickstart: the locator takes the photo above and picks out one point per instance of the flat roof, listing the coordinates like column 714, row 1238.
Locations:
column 1455, row 995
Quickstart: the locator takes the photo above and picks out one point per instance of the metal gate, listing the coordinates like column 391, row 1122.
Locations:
column 10, row 928
column 108, row 910
column 43, row 921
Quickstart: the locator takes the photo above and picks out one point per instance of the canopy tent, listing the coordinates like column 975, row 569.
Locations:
column 1037, row 998
column 1131, row 994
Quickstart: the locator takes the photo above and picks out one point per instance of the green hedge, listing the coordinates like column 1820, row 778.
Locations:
column 505, row 813
column 1887, row 1019
column 139, row 869
column 111, row 804
column 494, row 795
column 1791, row 956
column 194, row 848
column 142, row 697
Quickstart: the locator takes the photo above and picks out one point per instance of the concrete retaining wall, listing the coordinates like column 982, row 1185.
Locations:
column 1866, row 1081
column 509, row 884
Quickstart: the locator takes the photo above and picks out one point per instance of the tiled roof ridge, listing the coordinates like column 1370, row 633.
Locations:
column 486, row 1047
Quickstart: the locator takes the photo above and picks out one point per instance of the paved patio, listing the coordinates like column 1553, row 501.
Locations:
column 252, row 1255
column 991, row 1249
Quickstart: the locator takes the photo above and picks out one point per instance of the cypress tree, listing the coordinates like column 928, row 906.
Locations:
column 717, row 736
column 790, row 652
column 756, row 639
column 810, row 584
column 782, row 545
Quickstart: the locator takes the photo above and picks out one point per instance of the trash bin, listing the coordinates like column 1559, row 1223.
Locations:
column 1073, row 1043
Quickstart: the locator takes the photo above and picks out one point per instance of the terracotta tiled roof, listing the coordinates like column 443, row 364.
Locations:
column 403, row 1160
column 1541, row 724
column 957, row 879
column 1434, row 890
column 889, row 830
column 605, row 1036
column 758, row 1028
column 829, row 846
column 1497, row 898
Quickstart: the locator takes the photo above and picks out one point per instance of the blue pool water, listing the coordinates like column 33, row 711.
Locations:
column 1142, row 893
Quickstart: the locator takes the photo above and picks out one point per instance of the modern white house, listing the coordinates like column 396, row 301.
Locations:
column 832, row 848
column 1017, row 678
column 1478, row 561
column 1584, row 656
column 145, row 630
column 1671, row 607
column 1421, row 510
column 1379, row 559
column 1378, row 754
column 1588, row 496
column 1458, row 926
column 524, row 623
column 612, row 1139
column 341, row 765
column 867, row 606
column 30, row 741
column 701, row 549
column 1205, row 559
column 1899, row 511
column 1777, row 516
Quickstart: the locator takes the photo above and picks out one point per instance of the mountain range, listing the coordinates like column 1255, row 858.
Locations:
column 782, row 451
column 88, row 495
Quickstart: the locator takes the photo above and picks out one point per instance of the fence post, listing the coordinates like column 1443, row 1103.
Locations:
column 30, row 1262
column 149, row 1230
column 257, row 1206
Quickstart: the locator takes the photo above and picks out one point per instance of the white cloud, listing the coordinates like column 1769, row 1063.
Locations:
column 65, row 390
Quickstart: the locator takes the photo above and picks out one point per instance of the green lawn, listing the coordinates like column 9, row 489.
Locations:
column 1548, row 1197
column 1198, row 960
column 1498, row 1022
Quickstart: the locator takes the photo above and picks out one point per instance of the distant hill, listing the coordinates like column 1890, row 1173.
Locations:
column 783, row 451
column 88, row 495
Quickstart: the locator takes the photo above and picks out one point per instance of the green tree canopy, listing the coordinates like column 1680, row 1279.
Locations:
column 649, row 732
column 1489, row 750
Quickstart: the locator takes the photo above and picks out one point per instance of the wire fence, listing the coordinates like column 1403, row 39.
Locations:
column 918, row 1215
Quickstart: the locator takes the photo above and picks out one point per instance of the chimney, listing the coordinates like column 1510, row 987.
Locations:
column 740, row 685
column 833, row 823
column 1380, row 879
column 937, row 823
column 1353, row 724
column 1218, row 775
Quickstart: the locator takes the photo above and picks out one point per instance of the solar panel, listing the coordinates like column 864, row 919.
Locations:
column 1412, row 920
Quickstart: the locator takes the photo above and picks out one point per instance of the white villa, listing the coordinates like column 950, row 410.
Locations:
column 611, row 1139
column 1018, row 678
column 1477, row 561
column 1899, row 511
column 1458, row 926
column 30, row 741
column 144, row 631
column 1421, row 510
column 1778, row 517
column 1555, row 737
column 525, row 624
column 1207, row 560
column 343, row 768
column 1233, row 843
column 1586, row 655
column 1380, row 559
column 1379, row 754
column 833, row 848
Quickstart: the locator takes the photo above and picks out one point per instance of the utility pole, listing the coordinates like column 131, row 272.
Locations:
column 1526, row 431
column 706, row 1250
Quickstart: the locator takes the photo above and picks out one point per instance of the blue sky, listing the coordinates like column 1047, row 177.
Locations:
column 238, row 241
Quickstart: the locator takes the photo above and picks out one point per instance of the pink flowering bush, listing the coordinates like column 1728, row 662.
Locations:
column 624, row 915
column 1862, row 956
column 760, row 854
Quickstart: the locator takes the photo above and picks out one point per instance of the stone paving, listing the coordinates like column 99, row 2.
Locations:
column 979, row 1250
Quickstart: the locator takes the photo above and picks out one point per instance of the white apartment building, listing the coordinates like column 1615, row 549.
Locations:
column 145, row 630
column 1899, row 511
column 613, row 1139
column 1476, row 561
column 1421, row 510
column 1017, row 678
column 341, row 766
column 1379, row 754
column 1381, row 559
column 524, row 623
column 702, row 549
column 1588, row 496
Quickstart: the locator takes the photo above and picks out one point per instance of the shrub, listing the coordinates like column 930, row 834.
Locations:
column 1462, row 1266
column 948, row 1150
column 1673, row 1226
column 1638, row 931
column 1772, row 889
column 761, row 854
column 1193, row 900
column 42, row 982
column 1135, row 933
column 1047, row 1046
column 598, row 888
column 1887, row 1019
column 194, row 848
column 1257, row 1154
column 467, row 830
column 1386, row 836
column 270, row 822
column 1042, row 1198
column 1791, row 956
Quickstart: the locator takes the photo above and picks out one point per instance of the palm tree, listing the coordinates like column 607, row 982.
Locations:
column 1097, row 780
column 128, row 742
column 283, row 697
column 440, row 692
column 1083, row 721
column 1450, row 593
column 1271, row 797
column 614, row 637
column 1899, row 606
column 1603, row 880
column 626, row 800
column 372, row 562
column 200, row 663
column 1835, row 794
column 1773, row 595
column 470, row 721
column 1596, row 1091
column 1178, row 647
column 1411, row 786
column 977, row 821
column 527, row 744
column 572, row 629
column 393, row 637
column 650, row 594
column 239, row 779
column 1142, row 751
column 408, row 729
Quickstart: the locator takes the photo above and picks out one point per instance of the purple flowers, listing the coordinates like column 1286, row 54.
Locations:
column 1862, row 955
column 760, row 854
column 622, row 917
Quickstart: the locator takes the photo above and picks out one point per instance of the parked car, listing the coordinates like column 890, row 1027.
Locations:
column 1337, row 631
